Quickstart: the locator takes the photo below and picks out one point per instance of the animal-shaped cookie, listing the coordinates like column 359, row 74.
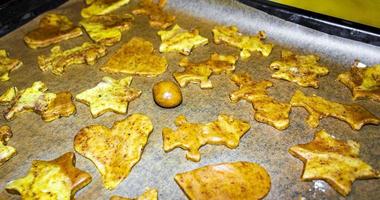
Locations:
column 53, row 28
column 230, row 181
column 107, row 29
column 335, row 161
column 54, row 179
column 355, row 115
column 363, row 82
column 109, row 95
column 7, row 65
column 58, row 60
column 201, row 71
column 226, row 130
column 50, row 106
column 158, row 18
column 136, row 57
column 101, row 7
column 301, row 69
column 6, row 151
column 180, row 40
column 114, row 151
column 246, row 43
column 267, row 109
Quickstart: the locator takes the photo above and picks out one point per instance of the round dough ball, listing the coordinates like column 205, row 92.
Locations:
column 167, row 94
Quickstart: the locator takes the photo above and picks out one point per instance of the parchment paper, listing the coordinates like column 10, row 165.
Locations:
column 37, row 140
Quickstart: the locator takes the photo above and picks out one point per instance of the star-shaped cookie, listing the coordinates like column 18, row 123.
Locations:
column 180, row 40
column 335, row 161
column 109, row 95
column 55, row 179
column 301, row 69
column 363, row 82
column 115, row 151
column 7, row 65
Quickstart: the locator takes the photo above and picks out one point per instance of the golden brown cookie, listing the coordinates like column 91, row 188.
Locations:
column 226, row 130
column 58, row 60
column 114, row 151
column 6, row 152
column 7, row 65
column 267, row 109
column 201, row 71
column 109, row 95
column 246, row 43
column 136, row 57
column 55, row 179
column 101, row 7
column 335, row 161
column 355, row 115
column 180, row 40
column 301, row 69
column 107, row 29
column 50, row 106
column 8, row 96
column 363, row 82
column 53, row 28
column 149, row 194
column 229, row 181
column 158, row 18
column 61, row 106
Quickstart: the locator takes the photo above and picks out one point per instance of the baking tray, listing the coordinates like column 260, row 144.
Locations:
column 37, row 140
